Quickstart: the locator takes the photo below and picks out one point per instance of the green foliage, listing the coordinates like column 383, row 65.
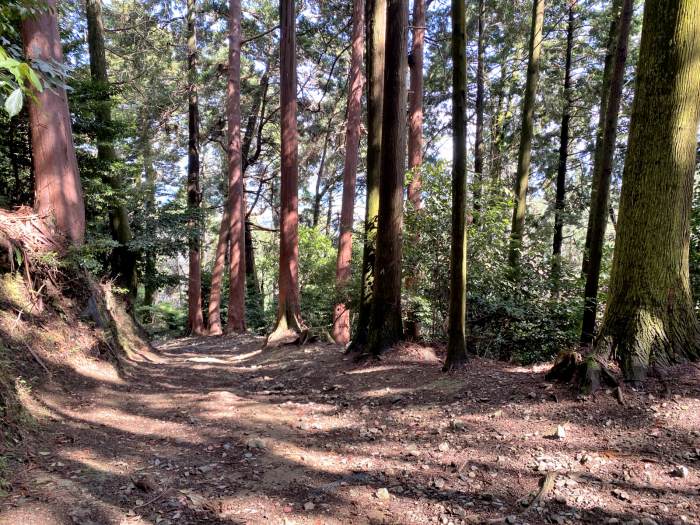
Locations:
column 509, row 319
column 695, row 242
column 165, row 319
column 16, row 78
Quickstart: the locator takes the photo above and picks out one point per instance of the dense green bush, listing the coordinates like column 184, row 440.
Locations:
column 510, row 317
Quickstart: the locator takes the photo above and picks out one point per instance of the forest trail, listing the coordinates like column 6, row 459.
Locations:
column 217, row 431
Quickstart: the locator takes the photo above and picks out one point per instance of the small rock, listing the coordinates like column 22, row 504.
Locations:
column 532, row 395
column 309, row 505
column 438, row 483
column 511, row 519
column 621, row 494
column 255, row 443
column 382, row 494
column 612, row 521
column 444, row 446
column 648, row 521
column 560, row 432
column 680, row 472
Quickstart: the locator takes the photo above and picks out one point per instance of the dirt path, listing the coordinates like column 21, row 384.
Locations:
column 216, row 431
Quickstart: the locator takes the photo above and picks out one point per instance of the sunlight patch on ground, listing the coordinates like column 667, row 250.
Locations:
column 207, row 360
column 383, row 392
column 374, row 369
column 86, row 457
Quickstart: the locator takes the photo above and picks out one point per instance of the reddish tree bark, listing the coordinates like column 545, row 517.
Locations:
column 289, row 322
column 57, row 190
column 386, row 327
column 415, row 119
column 195, row 319
column 236, row 200
column 341, row 317
column 223, row 242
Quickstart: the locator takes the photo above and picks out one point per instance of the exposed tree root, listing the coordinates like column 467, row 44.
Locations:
column 589, row 373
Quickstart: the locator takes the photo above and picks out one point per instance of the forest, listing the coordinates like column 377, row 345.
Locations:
column 338, row 262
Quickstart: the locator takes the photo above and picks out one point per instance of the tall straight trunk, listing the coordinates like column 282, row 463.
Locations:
column 457, row 330
column 415, row 142
column 236, row 196
column 526, row 132
column 57, row 190
column 253, row 284
column 224, row 229
column 288, row 312
column 650, row 318
column 602, row 172
column 149, row 270
column 479, row 108
column 611, row 46
column 415, row 104
column 341, row 316
column 195, row 319
column 376, row 35
column 329, row 210
column 319, row 178
column 123, row 259
column 386, row 326
column 563, row 158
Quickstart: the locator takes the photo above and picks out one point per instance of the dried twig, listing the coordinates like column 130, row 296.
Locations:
column 37, row 359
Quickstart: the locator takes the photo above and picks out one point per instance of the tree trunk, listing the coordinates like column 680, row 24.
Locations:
column 253, row 284
column 525, row 152
column 650, row 318
column 123, row 260
column 195, row 320
column 376, row 32
column 236, row 196
column 341, row 316
column 563, row 159
column 149, row 270
column 602, row 172
column 415, row 104
column 329, row 210
column 319, row 178
column 611, row 46
column 457, row 330
column 288, row 313
column 223, row 242
column 386, row 324
column 479, row 108
column 58, row 193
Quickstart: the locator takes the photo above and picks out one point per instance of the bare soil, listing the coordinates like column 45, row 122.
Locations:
column 218, row 431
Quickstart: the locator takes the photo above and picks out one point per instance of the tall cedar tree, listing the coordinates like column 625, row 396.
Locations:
column 247, row 158
column 58, row 194
column 123, row 259
column 560, row 199
column 289, row 323
column 385, row 325
column 526, row 132
column 650, row 317
column 341, row 315
column 376, row 33
column 604, row 157
column 457, row 330
column 415, row 103
column 195, row 320
column 236, row 195
column 478, row 189
column 254, row 128
column 415, row 139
